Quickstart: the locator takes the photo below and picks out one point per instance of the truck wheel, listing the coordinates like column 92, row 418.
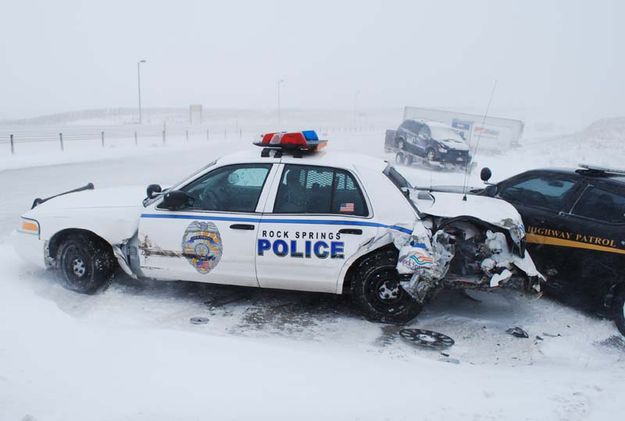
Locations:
column 84, row 264
column 399, row 158
column 376, row 291
column 619, row 311
column 431, row 155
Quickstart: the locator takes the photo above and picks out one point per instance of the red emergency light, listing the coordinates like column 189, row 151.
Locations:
column 306, row 140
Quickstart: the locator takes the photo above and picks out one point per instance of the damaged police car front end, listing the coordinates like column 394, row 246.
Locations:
column 462, row 242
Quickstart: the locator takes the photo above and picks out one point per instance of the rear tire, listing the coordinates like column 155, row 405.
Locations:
column 84, row 263
column 376, row 291
column 431, row 155
column 619, row 311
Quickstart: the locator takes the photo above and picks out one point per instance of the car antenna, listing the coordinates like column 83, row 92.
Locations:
column 477, row 142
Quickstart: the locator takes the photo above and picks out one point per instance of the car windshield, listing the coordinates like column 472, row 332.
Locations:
column 445, row 133
column 195, row 173
column 397, row 179
column 147, row 201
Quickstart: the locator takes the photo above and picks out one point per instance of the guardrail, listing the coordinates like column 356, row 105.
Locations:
column 14, row 136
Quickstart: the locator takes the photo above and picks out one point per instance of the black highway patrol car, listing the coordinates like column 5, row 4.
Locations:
column 575, row 224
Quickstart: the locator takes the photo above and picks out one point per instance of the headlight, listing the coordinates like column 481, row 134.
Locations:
column 517, row 233
column 442, row 149
column 29, row 226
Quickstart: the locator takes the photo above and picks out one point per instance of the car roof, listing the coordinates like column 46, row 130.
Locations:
column 326, row 157
column 587, row 174
column 432, row 123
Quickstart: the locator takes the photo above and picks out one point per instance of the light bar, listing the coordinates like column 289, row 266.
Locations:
column 306, row 140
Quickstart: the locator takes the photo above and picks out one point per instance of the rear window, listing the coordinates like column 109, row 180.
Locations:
column 312, row 189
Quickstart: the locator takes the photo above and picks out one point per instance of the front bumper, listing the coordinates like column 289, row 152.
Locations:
column 29, row 247
column 454, row 157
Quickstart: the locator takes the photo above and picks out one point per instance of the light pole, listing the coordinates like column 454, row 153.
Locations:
column 139, row 85
column 280, row 82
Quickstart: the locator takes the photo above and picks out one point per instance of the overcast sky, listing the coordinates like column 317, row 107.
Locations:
column 565, row 57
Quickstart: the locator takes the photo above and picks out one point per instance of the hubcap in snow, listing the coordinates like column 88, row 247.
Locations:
column 426, row 338
column 78, row 267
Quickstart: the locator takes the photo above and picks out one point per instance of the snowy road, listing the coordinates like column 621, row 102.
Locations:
column 131, row 353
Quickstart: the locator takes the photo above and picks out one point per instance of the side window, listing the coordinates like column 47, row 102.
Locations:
column 543, row 191
column 234, row 188
column 601, row 205
column 413, row 126
column 309, row 189
column 424, row 133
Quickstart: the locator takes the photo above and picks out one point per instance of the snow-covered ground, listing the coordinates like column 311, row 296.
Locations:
column 131, row 352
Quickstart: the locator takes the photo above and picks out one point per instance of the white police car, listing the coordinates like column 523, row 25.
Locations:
column 286, row 216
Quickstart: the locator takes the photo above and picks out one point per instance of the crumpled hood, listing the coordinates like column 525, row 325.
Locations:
column 454, row 144
column 488, row 209
column 111, row 213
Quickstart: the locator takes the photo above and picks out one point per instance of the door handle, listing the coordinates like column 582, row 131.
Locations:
column 247, row 227
column 353, row 231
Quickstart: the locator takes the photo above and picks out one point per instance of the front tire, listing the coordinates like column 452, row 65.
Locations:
column 619, row 311
column 84, row 263
column 431, row 155
column 376, row 291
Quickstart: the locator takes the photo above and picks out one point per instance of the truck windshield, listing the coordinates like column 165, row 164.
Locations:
column 445, row 133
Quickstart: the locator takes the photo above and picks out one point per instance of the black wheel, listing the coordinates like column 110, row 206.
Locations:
column 377, row 293
column 399, row 158
column 431, row 156
column 619, row 310
column 84, row 264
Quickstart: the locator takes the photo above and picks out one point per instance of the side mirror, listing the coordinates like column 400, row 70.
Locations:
column 491, row 190
column 175, row 200
column 486, row 174
column 153, row 190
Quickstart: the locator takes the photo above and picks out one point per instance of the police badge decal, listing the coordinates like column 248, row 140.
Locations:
column 201, row 246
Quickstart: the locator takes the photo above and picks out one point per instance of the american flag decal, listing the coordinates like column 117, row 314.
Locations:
column 347, row 207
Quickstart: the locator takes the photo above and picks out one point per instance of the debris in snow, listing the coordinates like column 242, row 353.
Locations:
column 426, row 338
column 199, row 320
column 517, row 332
column 614, row 342
column 551, row 335
column 448, row 359
column 538, row 338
